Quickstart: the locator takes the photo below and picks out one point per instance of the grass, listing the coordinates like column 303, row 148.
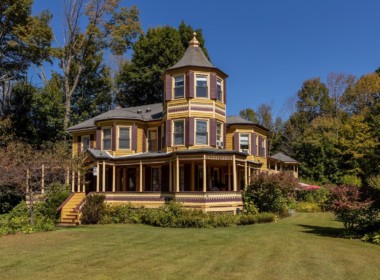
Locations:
column 301, row 247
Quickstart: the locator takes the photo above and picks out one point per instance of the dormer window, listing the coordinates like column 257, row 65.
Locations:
column 219, row 92
column 201, row 86
column 106, row 138
column 179, row 86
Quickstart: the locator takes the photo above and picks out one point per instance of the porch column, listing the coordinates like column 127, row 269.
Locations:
column 104, row 177
column 79, row 181
column 113, row 178
column 204, row 174
column 229, row 177
column 192, row 176
column 234, row 173
column 245, row 175
column 67, row 180
column 177, row 174
column 72, row 181
column 275, row 166
column 141, row 178
column 43, row 179
column 170, row 176
column 97, row 176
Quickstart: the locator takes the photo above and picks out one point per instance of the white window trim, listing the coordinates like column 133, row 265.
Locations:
column 222, row 87
column 118, row 137
column 102, row 143
column 249, row 142
column 208, row 85
column 195, row 132
column 184, row 86
column 184, row 132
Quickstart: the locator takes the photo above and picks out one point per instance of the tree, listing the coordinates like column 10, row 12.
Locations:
column 186, row 34
column 24, row 40
column 139, row 81
column 249, row 115
column 106, row 26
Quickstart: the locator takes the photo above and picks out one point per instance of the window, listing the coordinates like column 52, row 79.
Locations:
column 107, row 139
column 179, row 85
column 85, row 143
column 219, row 135
column 201, row 83
column 152, row 140
column 219, row 92
column 262, row 152
column 201, row 133
column 124, row 138
column 244, row 143
column 156, row 179
column 179, row 135
column 163, row 135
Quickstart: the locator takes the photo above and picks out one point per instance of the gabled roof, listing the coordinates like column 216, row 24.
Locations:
column 284, row 158
column 148, row 112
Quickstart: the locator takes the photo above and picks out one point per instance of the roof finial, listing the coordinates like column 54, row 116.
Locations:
column 194, row 41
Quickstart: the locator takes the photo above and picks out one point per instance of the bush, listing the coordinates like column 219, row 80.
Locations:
column 356, row 213
column 373, row 237
column 307, row 207
column 272, row 193
column 10, row 196
column 93, row 209
column 247, row 219
column 55, row 196
column 318, row 196
column 120, row 214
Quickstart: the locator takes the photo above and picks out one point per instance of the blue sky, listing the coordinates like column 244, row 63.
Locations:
column 269, row 47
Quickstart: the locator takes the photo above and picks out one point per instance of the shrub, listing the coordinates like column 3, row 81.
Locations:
column 55, row 196
column 93, row 209
column 373, row 237
column 351, row 180
column 357, row 214
column 116, row 214
column 248, row 219
column 306, row 207
column 318, row 196
column 266, row 218
column 273, row 193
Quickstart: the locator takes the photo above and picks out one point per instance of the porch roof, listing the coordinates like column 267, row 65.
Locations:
column 99, row 154
column 283, row 158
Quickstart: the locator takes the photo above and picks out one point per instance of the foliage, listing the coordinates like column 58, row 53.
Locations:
column 9, row 198
column 373, row 237
column 19, row 222
column 306, row 207
column 123, row 213
column 356, row 213
column 56, row 194
column 249, row 206
column 351, row 180
column 249, row 114
column 272, row 193
column 318, row 196
column 93, row 209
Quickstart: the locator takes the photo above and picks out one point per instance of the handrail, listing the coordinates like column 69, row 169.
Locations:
column 79, row 204
column 64, row 203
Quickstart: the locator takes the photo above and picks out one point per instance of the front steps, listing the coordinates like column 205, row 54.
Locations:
column 70, row 210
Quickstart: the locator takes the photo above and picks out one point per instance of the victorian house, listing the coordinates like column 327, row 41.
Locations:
column 184, row 149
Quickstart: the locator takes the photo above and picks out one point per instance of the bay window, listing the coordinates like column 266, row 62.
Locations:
column 179, row 86
column 124, row 138
column 244, row 143
column 201, row 132
column 201, row 86
column 179, row 132
column 106, row 138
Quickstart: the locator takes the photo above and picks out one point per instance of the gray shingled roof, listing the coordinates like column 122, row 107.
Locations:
column 284, row 158
column 144, row 113
column 193, row 56
column 237, row 120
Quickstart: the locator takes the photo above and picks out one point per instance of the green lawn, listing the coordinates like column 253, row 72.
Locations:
column 300, row 247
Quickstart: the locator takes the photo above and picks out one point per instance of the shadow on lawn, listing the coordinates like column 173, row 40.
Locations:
column 323, row 231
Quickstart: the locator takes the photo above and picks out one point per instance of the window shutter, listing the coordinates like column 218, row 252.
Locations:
column 213, row 132
column 190, row 84
column 134, row 138
column 213, row 86
column 113, row 136
column 236, row 141
column 224, row 91
column 191, row 132
column 91, row 141
column 224, row 135
column 260, row 153
column 79, row 143
column 144, row 141
column 159, row 138
column 168, row 135
column 253, row 144
column 168, row 87
column 98, row 138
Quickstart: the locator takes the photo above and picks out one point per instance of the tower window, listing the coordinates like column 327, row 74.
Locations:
column 179, row 86
column 201, row 83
